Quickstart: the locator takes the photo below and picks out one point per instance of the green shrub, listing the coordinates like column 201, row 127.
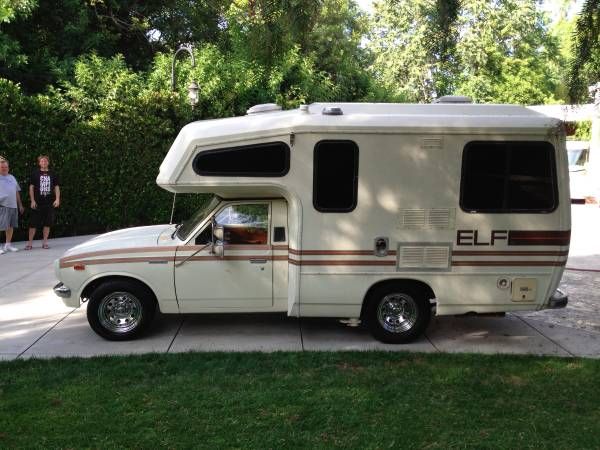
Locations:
column 108, row 130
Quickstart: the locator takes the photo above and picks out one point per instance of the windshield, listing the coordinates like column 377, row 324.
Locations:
column 187, row 226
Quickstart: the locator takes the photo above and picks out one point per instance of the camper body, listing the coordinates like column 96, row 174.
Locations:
column 374, row 212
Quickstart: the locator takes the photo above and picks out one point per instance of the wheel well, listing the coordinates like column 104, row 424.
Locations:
column 89, row 288
column 402, row 282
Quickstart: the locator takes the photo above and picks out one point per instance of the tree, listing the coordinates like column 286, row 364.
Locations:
column 334, row 43
column 264, row 30
column 413, row 48
column 10, row 55
column 493, row 51
column 51, row 36
column 56, row 32
column 506, row 52
column 585, row 66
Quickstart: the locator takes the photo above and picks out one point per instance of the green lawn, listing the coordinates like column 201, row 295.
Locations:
column 293, row 400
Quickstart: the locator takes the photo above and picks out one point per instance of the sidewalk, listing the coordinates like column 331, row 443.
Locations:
column 35, row 323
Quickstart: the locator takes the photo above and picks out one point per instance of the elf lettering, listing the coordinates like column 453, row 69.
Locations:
column 472, row 237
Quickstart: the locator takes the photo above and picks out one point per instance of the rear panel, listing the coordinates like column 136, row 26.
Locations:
column 409, row 193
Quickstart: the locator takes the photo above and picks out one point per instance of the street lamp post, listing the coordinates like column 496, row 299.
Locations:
column 593, row 171
column 193, row 88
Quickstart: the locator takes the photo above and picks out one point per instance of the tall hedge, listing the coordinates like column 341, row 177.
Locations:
column 107, row 131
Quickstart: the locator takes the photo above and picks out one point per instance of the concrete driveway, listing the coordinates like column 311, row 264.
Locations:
column 34, row 322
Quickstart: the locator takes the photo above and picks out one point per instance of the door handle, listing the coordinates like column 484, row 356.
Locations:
column 258, row 261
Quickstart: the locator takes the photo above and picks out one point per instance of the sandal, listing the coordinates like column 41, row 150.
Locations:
column 28, row 247
column 45, row 246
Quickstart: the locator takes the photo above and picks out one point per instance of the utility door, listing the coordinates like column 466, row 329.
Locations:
column 241, row 279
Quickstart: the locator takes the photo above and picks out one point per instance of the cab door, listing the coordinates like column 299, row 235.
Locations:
column 241, row 279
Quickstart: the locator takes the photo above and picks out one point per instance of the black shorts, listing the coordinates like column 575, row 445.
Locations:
column 43, row 216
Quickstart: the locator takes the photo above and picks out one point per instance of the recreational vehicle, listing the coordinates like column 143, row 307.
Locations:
column 382, row 214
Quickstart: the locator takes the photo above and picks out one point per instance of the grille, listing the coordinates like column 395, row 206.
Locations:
column 424, row 256
column 438, row 218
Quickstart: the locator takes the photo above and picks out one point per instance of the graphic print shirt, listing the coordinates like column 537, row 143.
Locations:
column 43, row 186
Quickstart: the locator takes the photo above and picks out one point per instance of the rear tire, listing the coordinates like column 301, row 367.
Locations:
column 120, row 310
column 397, row 313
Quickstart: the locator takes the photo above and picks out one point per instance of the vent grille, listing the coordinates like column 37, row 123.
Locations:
column 413, row 218
column 437, row 257
column 411, row 257
column 438, row 218
column 423, row 257
column 432, row 143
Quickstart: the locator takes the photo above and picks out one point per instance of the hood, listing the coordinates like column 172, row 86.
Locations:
column 156, row 235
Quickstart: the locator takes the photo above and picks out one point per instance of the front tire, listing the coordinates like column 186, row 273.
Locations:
column 120, row 310
column 397, row 314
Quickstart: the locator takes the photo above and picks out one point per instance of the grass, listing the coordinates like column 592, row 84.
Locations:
column 301, row 400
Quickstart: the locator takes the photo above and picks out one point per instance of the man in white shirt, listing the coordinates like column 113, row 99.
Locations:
column 10, row 205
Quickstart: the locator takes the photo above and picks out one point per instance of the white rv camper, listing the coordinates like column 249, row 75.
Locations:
column 370, row 212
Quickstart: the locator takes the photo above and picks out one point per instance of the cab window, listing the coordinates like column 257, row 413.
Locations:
column 205, row 237
column 246, row 224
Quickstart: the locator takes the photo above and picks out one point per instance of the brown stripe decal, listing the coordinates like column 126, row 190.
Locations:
column 387, row 263
column 116, row 251
column 147, row 259
column 508, row 263
column 515, row 238
column 92, row 262
column 225, row 258
column 509, row 253
column 539, row 237
column 341, row 262
column 337, row 252
column 157, row 249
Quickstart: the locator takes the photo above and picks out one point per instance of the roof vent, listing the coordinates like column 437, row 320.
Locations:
column 266, row 107
column 332, row 111
column 453, row 99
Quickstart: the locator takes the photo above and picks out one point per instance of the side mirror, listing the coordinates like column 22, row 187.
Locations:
column 218, row 248
column 218, row 232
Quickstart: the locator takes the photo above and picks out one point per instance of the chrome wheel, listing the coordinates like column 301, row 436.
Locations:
column 397, row 313
column 120, row 312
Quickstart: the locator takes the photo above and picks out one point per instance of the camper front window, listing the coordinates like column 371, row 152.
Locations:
column 187, row 226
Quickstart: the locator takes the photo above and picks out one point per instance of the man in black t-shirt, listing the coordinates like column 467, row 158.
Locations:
column 44, row 193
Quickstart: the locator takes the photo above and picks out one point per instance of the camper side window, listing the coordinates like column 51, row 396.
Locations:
column 335, row 176
column 508, row 177
column 271, row 159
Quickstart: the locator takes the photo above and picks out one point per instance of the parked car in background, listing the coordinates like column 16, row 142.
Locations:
column 578, row 153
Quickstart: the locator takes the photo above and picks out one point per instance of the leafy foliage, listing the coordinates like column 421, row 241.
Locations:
column 583, row 132
column 88, row 81
column 491, row 51
column 10, row 51
column 585, row 66
column 108, row 130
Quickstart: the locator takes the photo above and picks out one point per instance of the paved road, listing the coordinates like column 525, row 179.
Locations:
column 35, row 323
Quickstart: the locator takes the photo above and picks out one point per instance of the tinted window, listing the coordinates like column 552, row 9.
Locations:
column 335, row 180
column 264, row 160
column 508, row 177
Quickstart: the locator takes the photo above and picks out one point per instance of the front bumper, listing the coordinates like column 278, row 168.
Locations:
column 558, row 300
column 62, row 291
